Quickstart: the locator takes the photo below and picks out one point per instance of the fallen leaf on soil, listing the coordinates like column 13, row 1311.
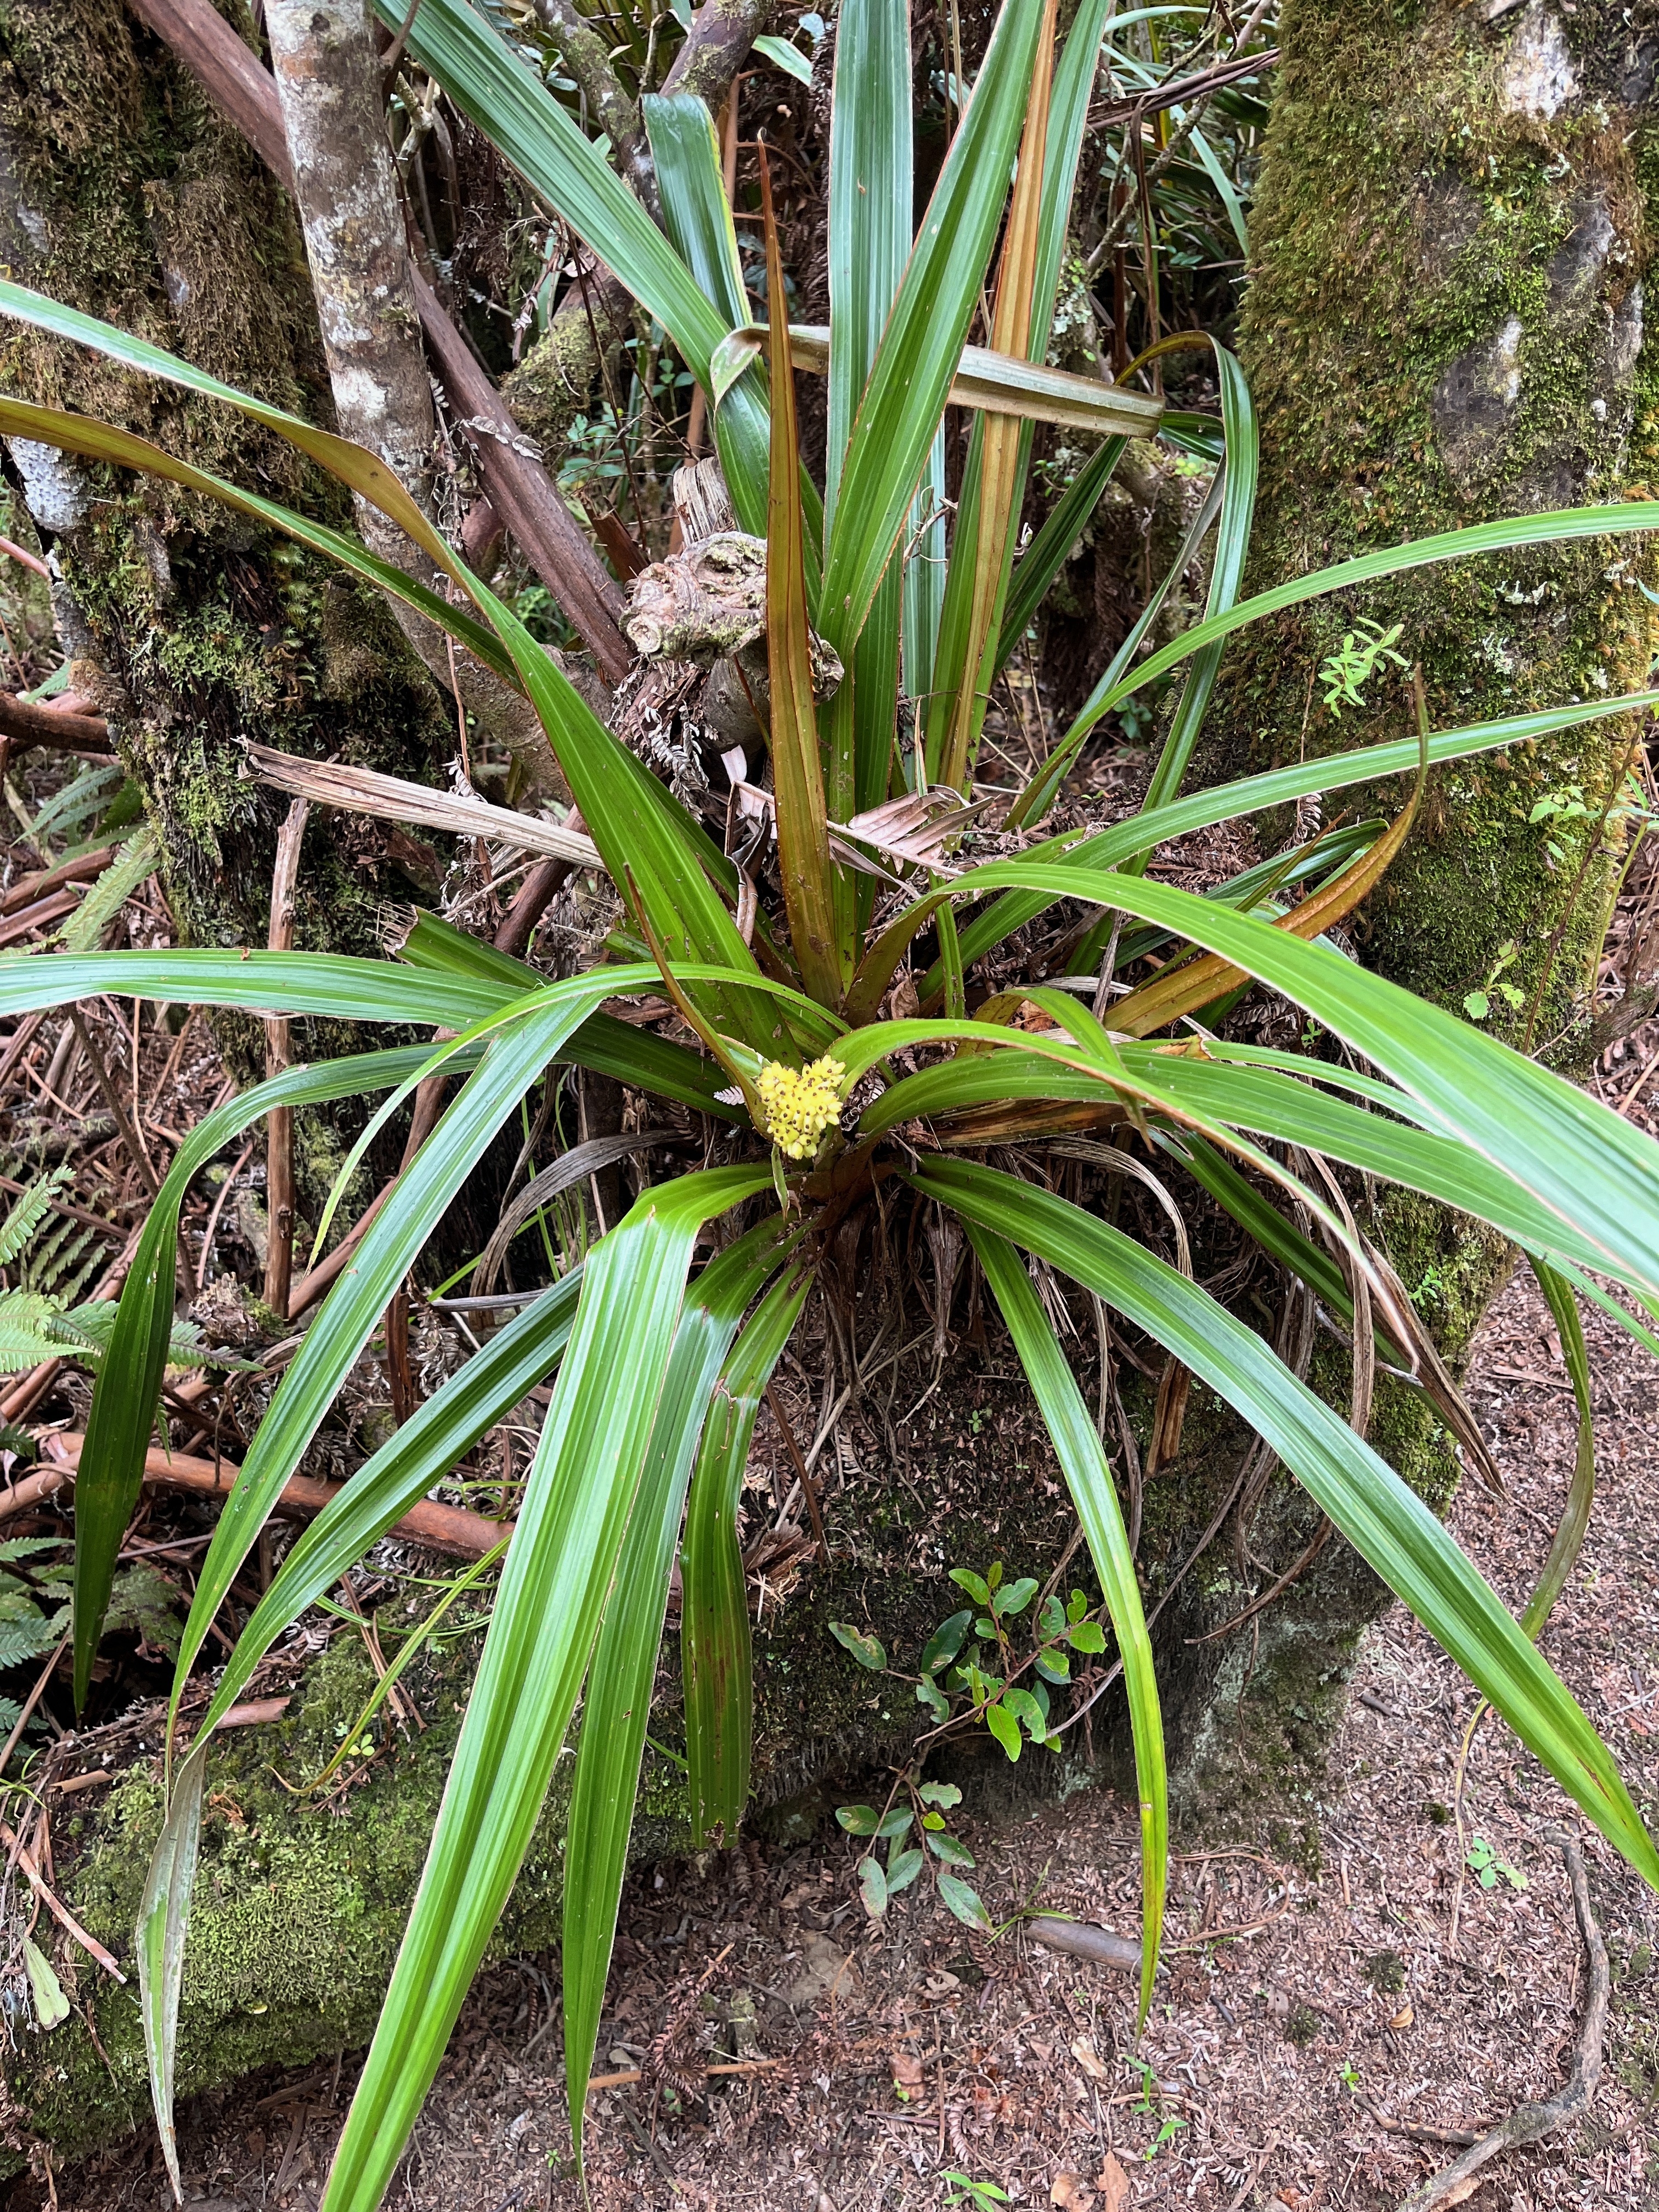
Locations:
column 942, row 1983
column 1113, row 2183
column 1090, row 2060
column 907, row 2071
column 1404, row 2017
column 1067, row 2190
column 824, row 1967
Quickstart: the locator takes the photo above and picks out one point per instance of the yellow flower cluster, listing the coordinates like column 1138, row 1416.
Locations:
column 801, row 1103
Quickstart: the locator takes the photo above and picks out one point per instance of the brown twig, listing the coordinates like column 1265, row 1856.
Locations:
column 803, row 1472
column 31, row 1702
column 116, row 1103
column 24, row 725
column 279, row 1122
column 442, row 1528
column 59, row 1911
column 1531, row 2122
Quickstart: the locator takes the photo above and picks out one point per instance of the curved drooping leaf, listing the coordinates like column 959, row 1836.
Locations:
column 617, row 1705
column 129, row 1381
column 425, row 1448
column 715, row 1654
column 1553, row 526
column 1384, row 1519
column 1077, row 1448
column 1141, row 834
column 577, row 1500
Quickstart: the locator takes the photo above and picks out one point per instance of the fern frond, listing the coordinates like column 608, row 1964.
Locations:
column 31, row 1209
column 135, row 864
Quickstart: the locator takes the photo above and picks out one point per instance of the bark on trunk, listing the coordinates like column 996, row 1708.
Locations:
column 123, row 192
column 1445, row 325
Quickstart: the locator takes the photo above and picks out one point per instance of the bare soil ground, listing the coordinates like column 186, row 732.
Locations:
column 1333, row 1982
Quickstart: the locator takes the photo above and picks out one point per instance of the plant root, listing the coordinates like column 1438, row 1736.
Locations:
column 1530, row 2122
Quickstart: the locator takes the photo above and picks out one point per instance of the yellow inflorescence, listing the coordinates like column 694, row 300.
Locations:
column 800, row 1104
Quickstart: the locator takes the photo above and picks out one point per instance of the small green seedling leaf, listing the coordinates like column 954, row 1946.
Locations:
column 1005, row 1728
column 965, row 1902
column 1052, row 1664
column 858, row 1820
column 1088, row 1636
column 976, row 1585
column 872, row 1886
column 869, row 1650
column 933, row 1822
column 943, row 1794
column 952, row 1853
column 1015, row 1598
column 895, row 1823
column 902, row 1870
column 947, row 1641
column 929, row 1693
column 51, row 2007
column 1030, row 1710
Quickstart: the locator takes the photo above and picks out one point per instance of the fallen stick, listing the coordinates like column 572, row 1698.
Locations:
column 632, row 2074
column 444, row 1528
column 26, row 724
column 1530, row 2122
column 1082, row 1939
column 59, row 1911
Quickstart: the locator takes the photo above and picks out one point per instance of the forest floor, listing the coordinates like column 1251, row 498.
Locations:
column 1328, row 2005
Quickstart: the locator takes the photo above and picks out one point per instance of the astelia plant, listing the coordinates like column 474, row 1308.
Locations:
column 801, row 1016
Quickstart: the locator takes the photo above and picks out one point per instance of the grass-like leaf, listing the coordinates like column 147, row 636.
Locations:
column 580, row 1489
column 617, row 1705
column 716, row 1655
column 1384, row 1519
column 1078, row 1447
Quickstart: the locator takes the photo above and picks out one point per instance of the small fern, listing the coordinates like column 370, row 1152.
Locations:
column 30, row 1211
column 134, row 865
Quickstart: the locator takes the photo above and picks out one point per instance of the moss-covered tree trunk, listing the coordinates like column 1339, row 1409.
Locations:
column 123, row 192
column 1443, row 326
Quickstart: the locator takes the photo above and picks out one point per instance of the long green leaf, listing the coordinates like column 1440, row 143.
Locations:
column 428, row 1445
column 819, row 920
column 425, row 1449
column 872, row 189
column 1569, row 1539
column 96, row 440
column 494, row 89
column 1584, row 1162
column 1076, row 1446
column 129, row 1376
column 352, row 464
column 1555, row 526
column 1050, row 549
column 1199, row 809
column 716, row 1655
column 1232, row 546
column 922, row 342
column 354, row 1306
column 163, row 1925
column 617, row 1705
column 577, row 1499
column 1384, row 1519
